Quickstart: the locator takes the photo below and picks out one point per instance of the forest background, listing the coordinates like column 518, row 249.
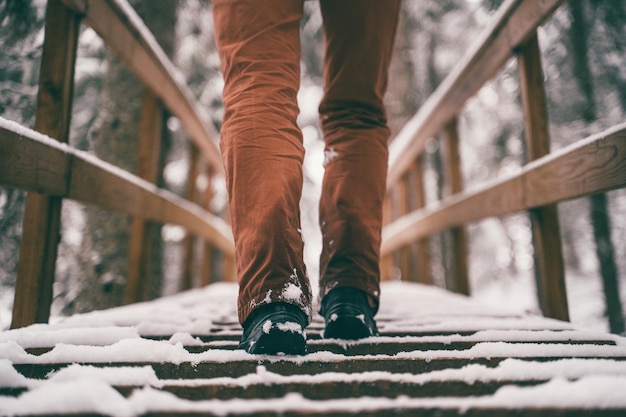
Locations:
column 584, row 56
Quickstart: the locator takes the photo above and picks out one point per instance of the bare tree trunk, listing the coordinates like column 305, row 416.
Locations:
column 599, row 214
column 114, row 137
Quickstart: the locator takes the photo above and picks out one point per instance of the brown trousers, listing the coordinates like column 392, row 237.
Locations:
column 259, row 47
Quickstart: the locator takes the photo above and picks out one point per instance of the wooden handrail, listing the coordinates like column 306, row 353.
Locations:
column 125, row 33
column 514, row 23
column 513, row 32
column 52, row 171
column 593, row 165
column 33, row 162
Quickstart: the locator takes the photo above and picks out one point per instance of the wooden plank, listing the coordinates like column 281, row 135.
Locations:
column 412, row 250
column 549, row 263
column 459, row 278
column 386, row 261
column 188, row 242
column 355, row 364
column 592, row 165
column 329, row 390
column 392, row 409
column 42, row 214
column 125, row 33
column 206, row 275
column 26, row 165
column 149, row 156
column 402, row 203
column 95, row 182
column 515, row 21
column 419, row 195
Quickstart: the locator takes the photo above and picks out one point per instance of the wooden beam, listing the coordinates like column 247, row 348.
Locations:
column 514, row 23
column 206, row 276
column 592, row 165
column 419, row 201
column 458, row 279
column 42, row 214
column 402, row 206
column 124, row 32
column 386, row 261
column 87, row 179
column 149, row 156
column 188, row 242
column 549, row 264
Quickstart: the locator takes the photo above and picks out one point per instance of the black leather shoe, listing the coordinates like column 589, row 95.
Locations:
column 275, row 328
column 348, row 315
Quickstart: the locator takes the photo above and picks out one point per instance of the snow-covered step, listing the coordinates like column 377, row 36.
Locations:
column 439, row 354
column 417, row 362
column 392, row 345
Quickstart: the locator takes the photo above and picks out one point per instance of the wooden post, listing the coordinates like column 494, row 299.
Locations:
column 207, row 256
column 42, row 214
column 149, row 151
column 422, row 269
column 549, row 268
column 402, row 206
column 459, row 275
column 188, row 243
column 386, row 263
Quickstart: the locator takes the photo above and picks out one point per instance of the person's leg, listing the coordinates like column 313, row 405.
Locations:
column 259, row 47
column 359, row 37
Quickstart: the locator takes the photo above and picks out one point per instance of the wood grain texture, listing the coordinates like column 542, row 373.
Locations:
column 592, row 165
column 421, row 246
column 27, row 165
column 42, row 214
column 458, row 274
column 189, row 240
column 402, row 207
column 515, row 21
column 548, row 253
column 149, row 155
column 207, row 263
column 386, row 260
column 95, row 182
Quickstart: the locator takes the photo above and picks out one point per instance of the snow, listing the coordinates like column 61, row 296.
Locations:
column 94, row 396
column 291, row 292
column 78, row 396
column 329, row 155
column 39, row 335
column 290, row 326
column 579, row 375
column 9, row 377
column 31, row 134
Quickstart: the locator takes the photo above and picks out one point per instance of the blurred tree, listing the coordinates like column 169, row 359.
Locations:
column 599, row 212
column 113, row 137
column 21, row 25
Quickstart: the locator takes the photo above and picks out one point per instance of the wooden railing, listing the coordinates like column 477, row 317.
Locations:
column 51, row 171
column 593, row 165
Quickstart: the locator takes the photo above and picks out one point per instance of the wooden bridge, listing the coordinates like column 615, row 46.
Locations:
column 439, row 354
